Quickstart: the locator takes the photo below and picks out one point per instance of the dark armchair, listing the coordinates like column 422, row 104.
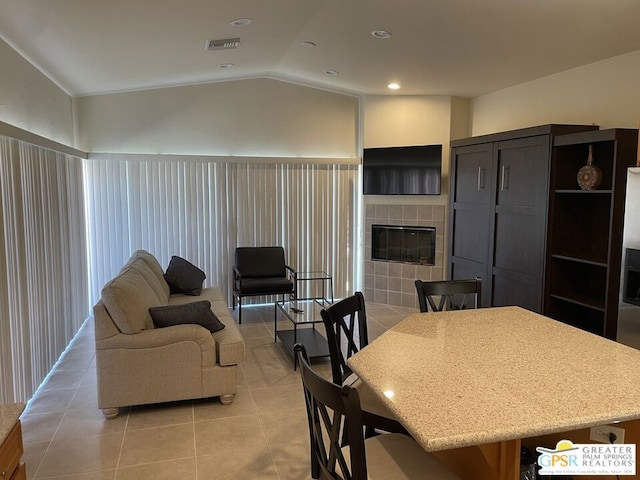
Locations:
column 261, row 271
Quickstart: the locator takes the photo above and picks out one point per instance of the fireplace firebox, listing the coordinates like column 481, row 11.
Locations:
column 395, row 243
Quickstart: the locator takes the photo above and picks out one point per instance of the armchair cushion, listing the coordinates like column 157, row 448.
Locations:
column 260, row 262
column 184, row 277
column 264, row 286
column 195, row 312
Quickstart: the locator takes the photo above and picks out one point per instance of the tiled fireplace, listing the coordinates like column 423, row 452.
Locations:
column 392, row 281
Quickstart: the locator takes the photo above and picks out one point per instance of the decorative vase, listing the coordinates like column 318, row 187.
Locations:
column 589, row 176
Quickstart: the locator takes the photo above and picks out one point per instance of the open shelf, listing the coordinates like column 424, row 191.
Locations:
column 585, row 229
column 579, row 260
column 580, row 224
column 571, row 158
column 581, row 283
column 576, row 315
column 584, row 192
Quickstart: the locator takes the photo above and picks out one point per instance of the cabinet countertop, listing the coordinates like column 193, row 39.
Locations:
column 9, row 415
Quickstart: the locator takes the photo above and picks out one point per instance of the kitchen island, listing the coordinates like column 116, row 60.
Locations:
column 478, row 384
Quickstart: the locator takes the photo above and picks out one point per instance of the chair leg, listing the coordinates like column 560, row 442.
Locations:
column 239, row 310
column 315, row 466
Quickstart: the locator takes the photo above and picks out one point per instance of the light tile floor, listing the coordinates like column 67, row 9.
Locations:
column 261, row 436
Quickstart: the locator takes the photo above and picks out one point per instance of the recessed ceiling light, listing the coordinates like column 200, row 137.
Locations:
column 331, row 72
column 241, row 22
column 381, row 34
column 225, row 65
column 393, row 86
column 308, row 43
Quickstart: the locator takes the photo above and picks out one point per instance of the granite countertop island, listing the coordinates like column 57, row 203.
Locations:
column 474, row 377
column 9, row 415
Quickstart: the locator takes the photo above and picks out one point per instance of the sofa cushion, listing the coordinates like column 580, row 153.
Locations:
column 195, row 312
column 128, row 298
column 184, row 277
column 139, row 265
column 155, row 267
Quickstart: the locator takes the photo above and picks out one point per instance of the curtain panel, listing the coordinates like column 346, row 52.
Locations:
column 43, row 267
column 203, row 209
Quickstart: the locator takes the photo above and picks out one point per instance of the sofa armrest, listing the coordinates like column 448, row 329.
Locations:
column 160, row 337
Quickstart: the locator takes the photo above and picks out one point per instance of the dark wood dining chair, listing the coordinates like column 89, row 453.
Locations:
column 452, row 294
column 345, row 323
column 333, row 414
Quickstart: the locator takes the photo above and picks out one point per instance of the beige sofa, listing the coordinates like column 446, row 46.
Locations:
column 139, row 364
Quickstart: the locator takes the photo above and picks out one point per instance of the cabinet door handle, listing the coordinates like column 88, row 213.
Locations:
column 504, row 180
column 481, row 171
column 3, row 475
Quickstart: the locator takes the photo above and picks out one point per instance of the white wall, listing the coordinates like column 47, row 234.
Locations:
column 390, row 121
column 605, row 93
column 252, row 117
column 29, row 100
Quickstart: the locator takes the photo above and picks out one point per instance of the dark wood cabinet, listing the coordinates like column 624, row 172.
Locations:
column 498, row 212
column 470, row 217
column 585, row 230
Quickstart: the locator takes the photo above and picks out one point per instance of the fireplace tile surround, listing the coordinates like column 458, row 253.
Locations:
column 392, row 282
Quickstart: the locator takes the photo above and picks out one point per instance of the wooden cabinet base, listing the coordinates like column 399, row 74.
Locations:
column 501, row 460
column 10, row 454
column 494, row 461
column 20, row 473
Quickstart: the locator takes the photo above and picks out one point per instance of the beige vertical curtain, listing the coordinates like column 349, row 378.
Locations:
column 43, row 268
column 202, row 209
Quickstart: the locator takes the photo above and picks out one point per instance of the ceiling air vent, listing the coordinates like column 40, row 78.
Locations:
column 223, row 44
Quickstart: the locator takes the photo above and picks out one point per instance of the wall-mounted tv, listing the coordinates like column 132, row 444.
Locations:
column 414, row 170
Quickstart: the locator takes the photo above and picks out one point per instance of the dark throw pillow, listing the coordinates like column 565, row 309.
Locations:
column 196, row 312
column 184, row 277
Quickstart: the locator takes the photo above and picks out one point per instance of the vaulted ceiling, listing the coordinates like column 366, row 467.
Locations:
column 437, row 47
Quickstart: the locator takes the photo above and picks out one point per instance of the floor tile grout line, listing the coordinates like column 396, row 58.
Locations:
column 35, row 475
column 195, row 442
column 124, row 436
column 266, row 441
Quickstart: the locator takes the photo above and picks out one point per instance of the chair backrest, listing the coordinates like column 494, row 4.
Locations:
column 261, row 262
column 346, row 325
column 334, row 415
column 453, row 294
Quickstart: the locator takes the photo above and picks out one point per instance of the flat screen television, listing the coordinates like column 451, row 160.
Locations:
column 414, row 170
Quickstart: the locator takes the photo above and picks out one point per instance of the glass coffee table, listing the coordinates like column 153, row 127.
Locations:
column 316, row 284
column 302, row 313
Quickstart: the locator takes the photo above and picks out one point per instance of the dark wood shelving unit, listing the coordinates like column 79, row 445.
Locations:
column 584, row 243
